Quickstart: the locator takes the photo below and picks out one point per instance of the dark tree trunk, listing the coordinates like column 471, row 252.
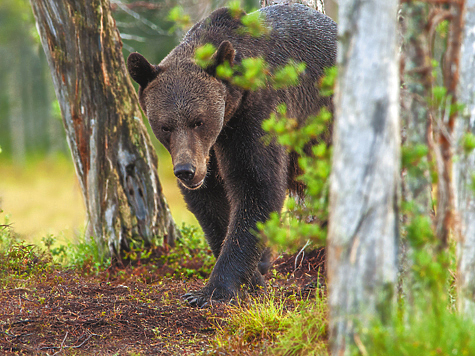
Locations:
column 114, row 159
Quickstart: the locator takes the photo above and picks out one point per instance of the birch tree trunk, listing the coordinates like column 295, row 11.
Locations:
column 464, row 170
column 114, row 159
column 363, row 221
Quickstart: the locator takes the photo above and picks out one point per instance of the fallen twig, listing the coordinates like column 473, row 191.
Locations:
column 62, row 347
column 302, row 251
column 62, row 344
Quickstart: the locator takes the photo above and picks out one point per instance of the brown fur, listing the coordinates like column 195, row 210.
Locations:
column 231, row 179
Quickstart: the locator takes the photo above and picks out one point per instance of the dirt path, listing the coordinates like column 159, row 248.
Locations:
column 128, row 312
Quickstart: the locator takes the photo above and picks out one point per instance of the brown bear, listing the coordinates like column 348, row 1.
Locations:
column 230, row 178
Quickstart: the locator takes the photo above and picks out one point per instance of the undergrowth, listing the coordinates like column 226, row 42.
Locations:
column 191, row 248
column 20, row 260
column 427, row 330
column 275, row 324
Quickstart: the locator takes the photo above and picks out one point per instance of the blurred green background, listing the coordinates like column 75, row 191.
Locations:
column 39, row 192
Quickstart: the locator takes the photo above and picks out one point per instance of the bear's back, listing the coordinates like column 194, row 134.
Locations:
column 301, row 33
column 297, row 32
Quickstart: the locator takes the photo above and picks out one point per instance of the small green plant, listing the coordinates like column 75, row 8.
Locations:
column 18, row 259
column 307, row 333
column 468, row 142
column 423, row 331
column 235, row 8
column 204, row 54
column 279, row 325
column 288, row 75
column 83, row 255
column 303, row 220
column 261, row 321
column 191, row 256
column 254, row 74
column 179, row 18
column 254, row 24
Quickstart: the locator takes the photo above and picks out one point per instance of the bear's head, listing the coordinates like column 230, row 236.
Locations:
column 187, row 107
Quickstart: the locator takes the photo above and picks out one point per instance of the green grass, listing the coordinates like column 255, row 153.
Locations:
column 307, row 334
column 275, row 325
column 191, row 257
column 427, row 330
column 19, row 260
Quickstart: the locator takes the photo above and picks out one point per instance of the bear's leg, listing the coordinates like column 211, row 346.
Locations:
column 210, row 206
column 255, row 177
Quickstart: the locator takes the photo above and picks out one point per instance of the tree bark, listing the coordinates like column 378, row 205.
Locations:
column 444, row 130
column 363, row 222
column 464, row 170
column 114, row 159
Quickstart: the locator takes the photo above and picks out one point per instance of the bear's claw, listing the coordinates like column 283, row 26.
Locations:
column 204, row 299
column 197, row 301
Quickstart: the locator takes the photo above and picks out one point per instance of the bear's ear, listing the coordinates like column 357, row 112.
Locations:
column 225, row 52
column 141, row 70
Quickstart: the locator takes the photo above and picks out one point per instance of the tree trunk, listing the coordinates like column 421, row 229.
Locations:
column 114, row 159
column 444, row 130
column 363, row 222
column 464, row 169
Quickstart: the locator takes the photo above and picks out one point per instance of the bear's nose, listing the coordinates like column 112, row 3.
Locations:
column 184, row 171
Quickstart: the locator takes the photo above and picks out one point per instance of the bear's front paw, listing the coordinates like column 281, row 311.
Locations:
column 209, row 295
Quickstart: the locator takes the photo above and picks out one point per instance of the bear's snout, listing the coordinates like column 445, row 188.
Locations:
column 185, row 172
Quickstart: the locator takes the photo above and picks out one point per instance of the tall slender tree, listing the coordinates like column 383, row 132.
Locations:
column 114, row 159
column 363, row 223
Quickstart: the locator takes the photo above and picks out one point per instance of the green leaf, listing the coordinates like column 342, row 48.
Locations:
column 255, row 73
column 288, row 75
column 328, row 81
column 254, row 24
column 438, row 95
column 411, row 155
column 178, row 16
column 235, row 9
column 468, row 142
column 204, row 54
column 225, row 71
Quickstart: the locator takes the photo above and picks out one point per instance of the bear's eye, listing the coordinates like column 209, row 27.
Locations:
column 166, row 129
column 197, row 124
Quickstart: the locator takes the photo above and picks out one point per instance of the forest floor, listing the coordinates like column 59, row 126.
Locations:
column 134, row 310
